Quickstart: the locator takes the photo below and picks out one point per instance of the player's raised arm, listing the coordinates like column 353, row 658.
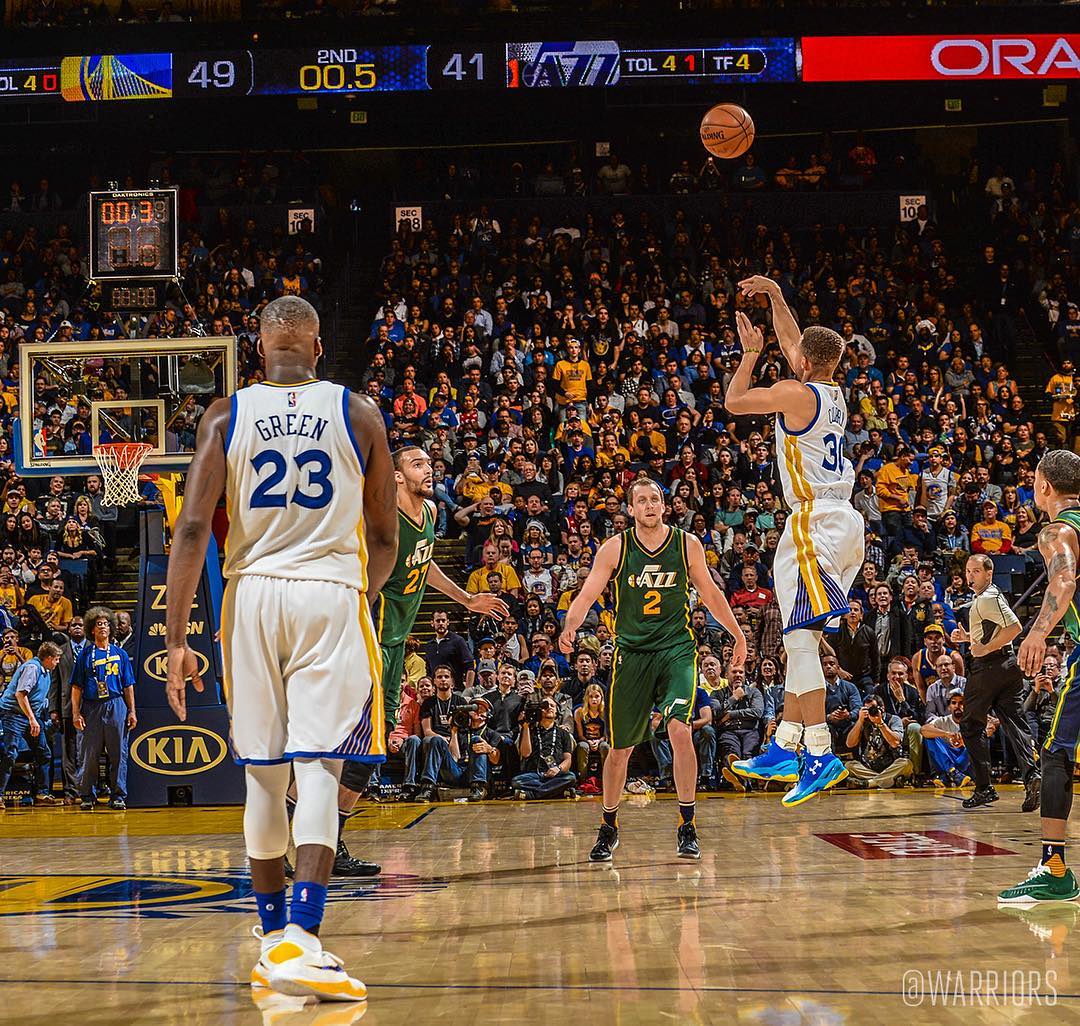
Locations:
column 604, row 566
column 380, row 491
column 715, row 600
column 786, row 327
column 204, row 486
column 482, row 602
column 791, row 398
column 1058, row 545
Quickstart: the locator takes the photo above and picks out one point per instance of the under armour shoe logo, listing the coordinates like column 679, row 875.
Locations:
column 813, row 768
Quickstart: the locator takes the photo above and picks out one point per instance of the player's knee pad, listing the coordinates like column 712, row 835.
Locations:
column 804, row 672
column 266, row 823
column 315, row 820
column 1057, row 793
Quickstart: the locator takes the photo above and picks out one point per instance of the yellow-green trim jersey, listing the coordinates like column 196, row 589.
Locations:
column 395, row 608
column 1071, row 621
column 652, row 594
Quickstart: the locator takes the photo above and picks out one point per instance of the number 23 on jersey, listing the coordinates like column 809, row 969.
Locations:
column 313, row 491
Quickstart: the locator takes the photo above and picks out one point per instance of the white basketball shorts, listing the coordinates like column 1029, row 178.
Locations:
column 302, row 671
column 817, row 560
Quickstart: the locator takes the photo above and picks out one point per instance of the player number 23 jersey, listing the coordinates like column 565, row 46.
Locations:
column 295, row 485
column 812, row 461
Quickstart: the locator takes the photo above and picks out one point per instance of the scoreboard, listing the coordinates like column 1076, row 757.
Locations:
column 355, row 68
column 133, row 246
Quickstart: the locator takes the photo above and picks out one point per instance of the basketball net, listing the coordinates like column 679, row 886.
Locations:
column 120, row 463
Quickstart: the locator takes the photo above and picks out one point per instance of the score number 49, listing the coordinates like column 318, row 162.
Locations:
column 216, row 75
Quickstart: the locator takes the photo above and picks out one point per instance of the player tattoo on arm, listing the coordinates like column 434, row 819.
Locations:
column 1057, row 543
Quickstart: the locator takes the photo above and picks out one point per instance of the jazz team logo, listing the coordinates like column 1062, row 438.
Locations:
column 181, row 895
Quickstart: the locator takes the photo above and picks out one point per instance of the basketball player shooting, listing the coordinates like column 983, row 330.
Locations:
column 313, row 531
column 653, row 567
column 821, row 549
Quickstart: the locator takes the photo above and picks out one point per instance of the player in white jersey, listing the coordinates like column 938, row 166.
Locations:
column 309, row 484
column 821, row 549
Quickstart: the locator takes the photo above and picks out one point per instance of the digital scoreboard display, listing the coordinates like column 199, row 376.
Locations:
column 609, row 63
column 133, row 235
column 353, row 68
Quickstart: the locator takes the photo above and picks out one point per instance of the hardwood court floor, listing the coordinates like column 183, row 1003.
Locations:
column 491, row 914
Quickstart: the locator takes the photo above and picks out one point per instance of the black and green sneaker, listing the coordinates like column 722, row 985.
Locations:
column 1041, row 885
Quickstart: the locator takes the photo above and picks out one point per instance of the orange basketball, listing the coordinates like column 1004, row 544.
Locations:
column 727, row 131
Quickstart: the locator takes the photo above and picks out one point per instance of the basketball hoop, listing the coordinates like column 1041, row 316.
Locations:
column 120, row 463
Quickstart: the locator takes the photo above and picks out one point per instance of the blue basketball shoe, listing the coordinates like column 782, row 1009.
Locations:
column 775, row 763
column 819, row 773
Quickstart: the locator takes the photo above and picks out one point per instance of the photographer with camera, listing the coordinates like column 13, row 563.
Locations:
column 471, row 752
column 1041, row 700
column 545, row 749
column 436, row 719
column 549, row 685
column 877, row 740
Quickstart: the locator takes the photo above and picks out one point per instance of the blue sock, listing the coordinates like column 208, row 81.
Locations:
column 271, row 910
column 308, row 904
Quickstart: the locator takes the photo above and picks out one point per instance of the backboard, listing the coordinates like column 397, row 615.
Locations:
column 75, row 395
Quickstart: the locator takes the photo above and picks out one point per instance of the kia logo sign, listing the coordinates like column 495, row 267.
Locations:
column 971, row 58
column 178, row 751
column 157, row 665
column 933, row 58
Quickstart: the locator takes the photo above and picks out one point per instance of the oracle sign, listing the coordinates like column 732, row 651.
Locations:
column 937, row 58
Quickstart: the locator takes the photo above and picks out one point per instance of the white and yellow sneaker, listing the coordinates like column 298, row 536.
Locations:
column 260, row 975
column 299, row 966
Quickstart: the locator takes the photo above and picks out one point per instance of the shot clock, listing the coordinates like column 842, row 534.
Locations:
column 133, row 246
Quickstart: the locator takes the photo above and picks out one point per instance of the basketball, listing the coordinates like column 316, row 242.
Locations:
column 727, row 131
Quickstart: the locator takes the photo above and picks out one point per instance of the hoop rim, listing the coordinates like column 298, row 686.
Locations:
column 116, row 448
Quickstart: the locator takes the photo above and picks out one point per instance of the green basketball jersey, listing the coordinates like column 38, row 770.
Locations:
column 395, row 608
column 1071, row 620
column 652, row 594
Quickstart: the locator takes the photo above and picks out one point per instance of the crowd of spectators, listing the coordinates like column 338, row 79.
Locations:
column 57, row 535
column 546, row 366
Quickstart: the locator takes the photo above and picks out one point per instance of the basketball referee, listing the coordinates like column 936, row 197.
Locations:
column 994, row 681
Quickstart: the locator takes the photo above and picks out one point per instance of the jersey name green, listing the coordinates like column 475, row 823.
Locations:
column 1071, row 620
column 652, row 594
column 396, row 606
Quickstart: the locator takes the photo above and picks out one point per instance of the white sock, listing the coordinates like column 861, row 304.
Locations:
column 788, row 735
column 818, row 739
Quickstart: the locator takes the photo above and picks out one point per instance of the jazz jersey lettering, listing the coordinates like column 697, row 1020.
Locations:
column 652, row 595
column 295, row 485
column 395, row 607
column 812, row 461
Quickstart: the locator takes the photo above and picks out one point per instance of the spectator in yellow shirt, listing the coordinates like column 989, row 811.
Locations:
column 53, row 607
column 12, row 656
column 11, row 595
column 609, row 449
column 991, row 535
column 895, row 487
column 478, row 579
column 1062, row 387
column 648, row 441
column 572, row 377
